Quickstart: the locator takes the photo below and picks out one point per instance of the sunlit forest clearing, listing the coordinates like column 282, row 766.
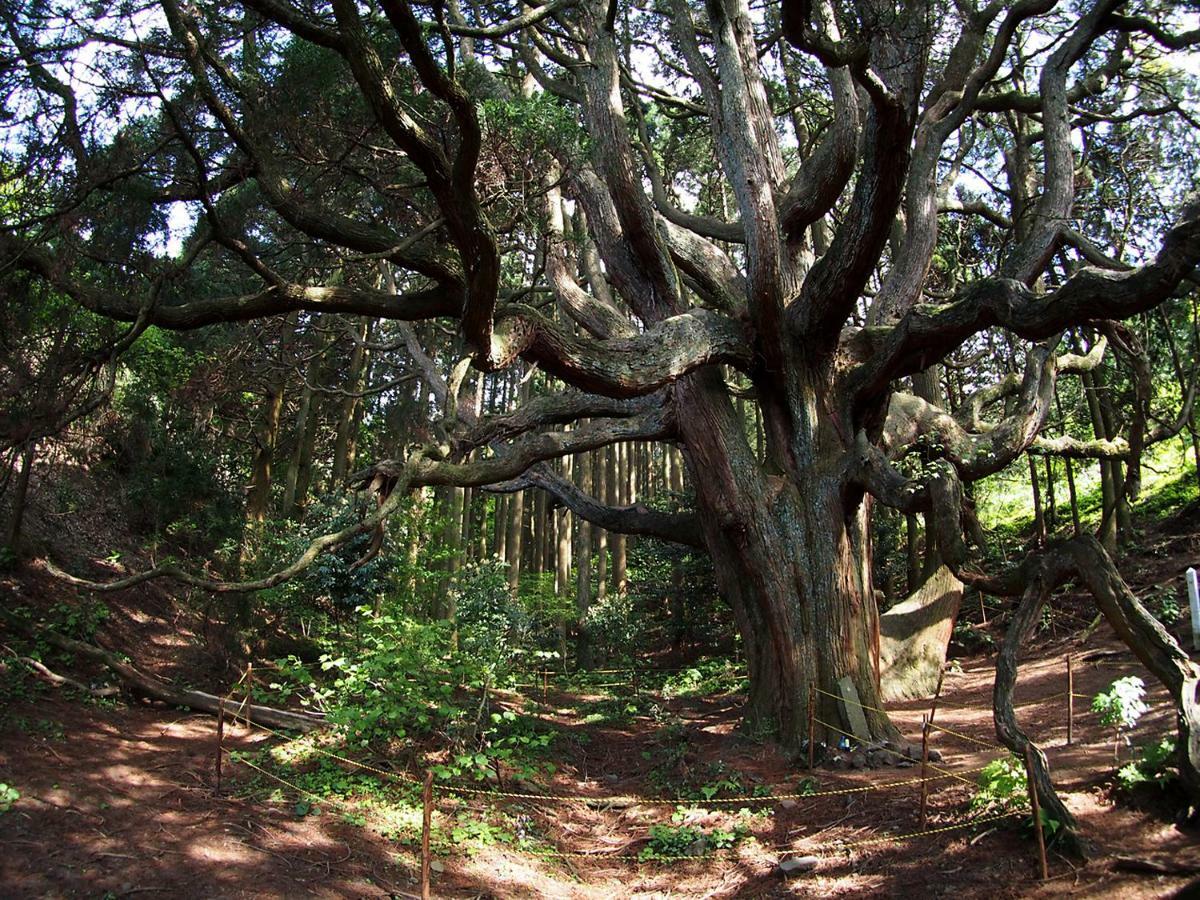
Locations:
column 599, row 449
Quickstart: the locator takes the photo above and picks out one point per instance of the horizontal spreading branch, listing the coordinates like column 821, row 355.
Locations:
column 271, row 301
column 681, row 528
column 515, row 458
column 548, row 409
column 325, row 543
column 976, row 448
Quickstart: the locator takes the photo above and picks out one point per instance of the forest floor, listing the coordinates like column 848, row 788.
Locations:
column 117, row 797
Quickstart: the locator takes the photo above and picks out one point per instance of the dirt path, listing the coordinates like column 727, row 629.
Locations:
column 119, row 801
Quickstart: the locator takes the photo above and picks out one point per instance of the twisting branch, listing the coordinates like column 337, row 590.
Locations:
column 325, row 543
column 621, row 367
column 975, row 448
column 548, row 409
column 929, row 333
column 514, row 458
column 419, row 304
column 1029, row 257
column 597, row 314
column 1085, row 559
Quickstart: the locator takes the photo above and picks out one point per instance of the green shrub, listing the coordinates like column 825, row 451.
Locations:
column 1154, row 765
column 1002, row 787
column 706, row 678
column 1121, row 706
column 678, row 841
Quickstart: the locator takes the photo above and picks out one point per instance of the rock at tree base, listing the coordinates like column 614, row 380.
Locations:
column 852, row 710
column 795, row 864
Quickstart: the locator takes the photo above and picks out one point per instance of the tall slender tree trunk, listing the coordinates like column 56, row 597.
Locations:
column 258, row 499
column 1051, row 499
column 514, row 541
column 12, row 533
column 500, row 527
column 912, row 553
column 619, row 496
column 1109, row 479
column 296, row 489
column 1039, row 515
column 583, row 576
column 1073, row 496
column 348, row 413
column 600, row 487
column 468, row 517
column 562, row 562
column 538, row 530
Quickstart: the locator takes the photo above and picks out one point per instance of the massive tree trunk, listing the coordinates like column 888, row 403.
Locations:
column 791, row 556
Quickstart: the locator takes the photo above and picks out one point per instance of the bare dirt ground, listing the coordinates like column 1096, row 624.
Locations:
column 117, row 800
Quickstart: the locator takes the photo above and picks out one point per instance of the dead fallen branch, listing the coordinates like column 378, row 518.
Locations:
column 1154, row 866
column 56, row 680
column 147, row 686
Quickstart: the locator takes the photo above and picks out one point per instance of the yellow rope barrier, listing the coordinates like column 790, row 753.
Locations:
column 966, row 737
column 836, row 846
column 848, row 700
column 633, row 799
column 892, row 838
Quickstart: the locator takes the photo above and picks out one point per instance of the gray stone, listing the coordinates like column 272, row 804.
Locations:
column 788, row 804
column 794, row 864
column 852, row 710
column 436, row 865
column 858, row 760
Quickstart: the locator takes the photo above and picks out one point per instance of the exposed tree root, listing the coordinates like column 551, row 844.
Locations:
column 54, row 679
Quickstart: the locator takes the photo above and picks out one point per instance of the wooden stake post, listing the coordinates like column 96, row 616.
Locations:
column 1037, row 810
column 220, row 741
column 937, row 695
column 812, row 725
column 1070, row 702
column 924, row 768
column 249, row 693
column 426, row 824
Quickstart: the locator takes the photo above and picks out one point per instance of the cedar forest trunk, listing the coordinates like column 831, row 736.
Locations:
column 792, row 557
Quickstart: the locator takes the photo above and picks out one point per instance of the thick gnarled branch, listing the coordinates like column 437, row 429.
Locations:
column 928, row 333
column 621, row 367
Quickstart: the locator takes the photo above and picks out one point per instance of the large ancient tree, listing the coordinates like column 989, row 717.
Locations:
column 806, row 208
